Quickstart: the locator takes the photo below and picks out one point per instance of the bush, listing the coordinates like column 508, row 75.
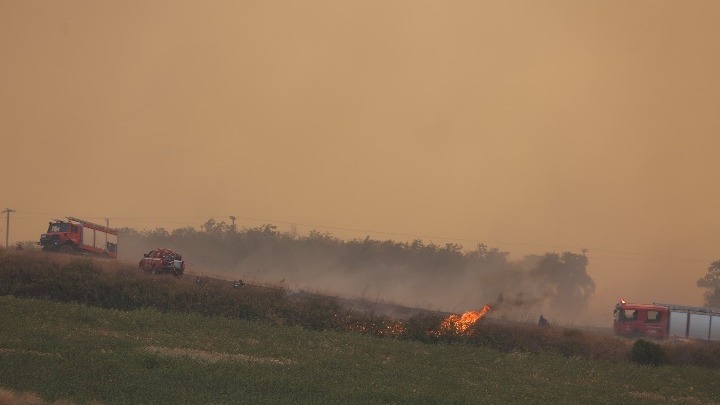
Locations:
column 648, row 353
column 694, row 352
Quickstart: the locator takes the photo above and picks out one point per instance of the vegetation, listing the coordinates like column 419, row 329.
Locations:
column 711, row 282
column 84, row 331
column 554, row 281
column 646, row 352
column 115, row 286
column 75, row 353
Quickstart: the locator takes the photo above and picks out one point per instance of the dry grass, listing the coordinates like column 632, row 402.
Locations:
column 654, row 397
column 112, row 284
column 8, row 397
column 212, row 357
column 30, row 352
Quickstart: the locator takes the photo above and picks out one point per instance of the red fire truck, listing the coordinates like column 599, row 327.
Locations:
column 666, row 320
column 77, row 236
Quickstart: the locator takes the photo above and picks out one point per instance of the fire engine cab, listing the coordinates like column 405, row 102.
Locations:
column 659, row 320
column 641, row 320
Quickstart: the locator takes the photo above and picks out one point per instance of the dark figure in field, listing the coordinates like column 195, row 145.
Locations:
column 542, row 321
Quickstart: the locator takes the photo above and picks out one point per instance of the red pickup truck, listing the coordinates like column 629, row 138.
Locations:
column 163, row 261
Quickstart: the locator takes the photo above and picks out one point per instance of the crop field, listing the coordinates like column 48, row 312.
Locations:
column 60, row 344
column 79, row 354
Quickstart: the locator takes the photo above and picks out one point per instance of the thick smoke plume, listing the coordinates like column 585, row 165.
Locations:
column 430, row 276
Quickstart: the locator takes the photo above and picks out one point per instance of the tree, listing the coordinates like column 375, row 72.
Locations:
column 488, row 255
column 711, row 282
column 215, row 228
column 565, row 280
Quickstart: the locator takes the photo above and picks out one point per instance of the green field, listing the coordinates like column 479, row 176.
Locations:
column 80, row 354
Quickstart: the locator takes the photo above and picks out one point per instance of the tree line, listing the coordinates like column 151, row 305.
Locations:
column 418, row 273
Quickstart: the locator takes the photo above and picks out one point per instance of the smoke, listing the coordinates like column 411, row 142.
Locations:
column 443, row 278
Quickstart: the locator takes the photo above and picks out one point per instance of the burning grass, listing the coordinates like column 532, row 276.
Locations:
column 462, row 324
column 112, row 285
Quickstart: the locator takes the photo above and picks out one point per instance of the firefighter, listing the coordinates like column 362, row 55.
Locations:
column 542, row 321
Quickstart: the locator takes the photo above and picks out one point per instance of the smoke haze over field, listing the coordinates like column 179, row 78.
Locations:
column 411, row 274
column 529, row 126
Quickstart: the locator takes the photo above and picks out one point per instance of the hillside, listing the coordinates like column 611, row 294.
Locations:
column 90, row 331
column 445, row 277
column 81, row 354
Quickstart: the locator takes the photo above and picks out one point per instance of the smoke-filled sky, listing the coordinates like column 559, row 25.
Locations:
column 529, row 126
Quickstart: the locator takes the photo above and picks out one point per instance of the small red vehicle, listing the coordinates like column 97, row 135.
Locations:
column 163, row 261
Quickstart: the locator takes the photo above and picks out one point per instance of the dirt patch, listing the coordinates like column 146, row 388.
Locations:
column 31, row 352
column 212, row 357
column 654, row 397
column 8, row 397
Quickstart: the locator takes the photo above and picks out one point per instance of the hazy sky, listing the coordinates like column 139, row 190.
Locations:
column 533, row 126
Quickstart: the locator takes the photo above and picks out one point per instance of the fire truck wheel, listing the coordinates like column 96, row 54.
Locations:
column 66, row 249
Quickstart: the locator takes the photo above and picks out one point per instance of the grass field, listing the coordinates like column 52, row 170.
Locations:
column 73, row 353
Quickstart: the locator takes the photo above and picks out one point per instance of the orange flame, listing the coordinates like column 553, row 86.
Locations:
column 460, row 324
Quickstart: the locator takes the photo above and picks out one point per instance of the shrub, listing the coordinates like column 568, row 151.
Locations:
column 699, row 353
column 649, row 353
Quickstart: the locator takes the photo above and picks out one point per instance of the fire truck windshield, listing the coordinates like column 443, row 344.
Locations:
column 625, row 315
column 59, row 227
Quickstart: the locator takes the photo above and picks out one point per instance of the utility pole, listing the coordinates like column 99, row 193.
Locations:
column 233, row 218
column 7, row 212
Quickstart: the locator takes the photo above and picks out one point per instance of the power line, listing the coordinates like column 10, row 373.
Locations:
column 7, row 211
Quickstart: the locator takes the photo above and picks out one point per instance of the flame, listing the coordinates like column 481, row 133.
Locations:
column 453, row 324
column 461, row 324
